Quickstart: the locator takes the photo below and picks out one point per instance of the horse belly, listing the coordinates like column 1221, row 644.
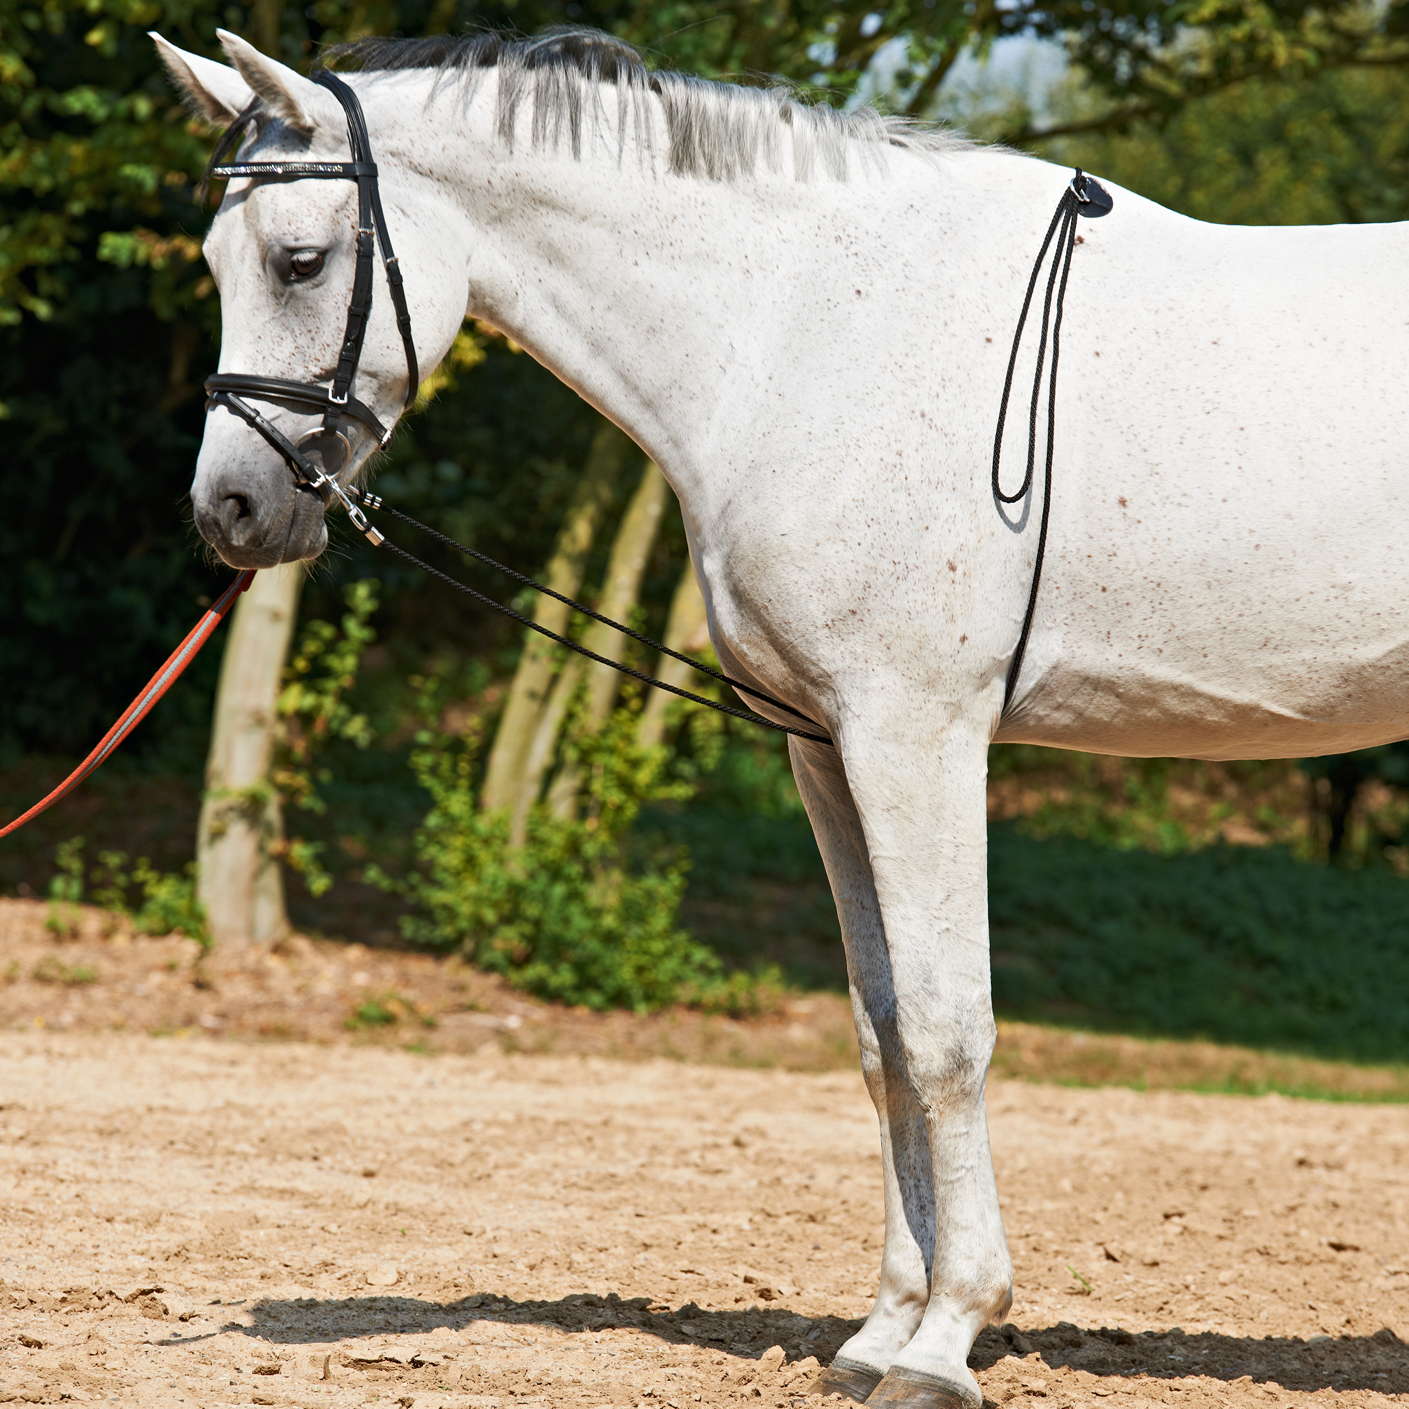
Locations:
column 1226, row 575
column 1164, row 710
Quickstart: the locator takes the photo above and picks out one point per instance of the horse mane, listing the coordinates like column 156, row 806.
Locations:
column 723, row 131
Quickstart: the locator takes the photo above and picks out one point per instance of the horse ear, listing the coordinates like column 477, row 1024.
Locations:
column 215, row 92
column 288, row 95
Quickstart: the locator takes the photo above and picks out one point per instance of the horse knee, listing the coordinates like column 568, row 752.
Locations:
column 946, row 1069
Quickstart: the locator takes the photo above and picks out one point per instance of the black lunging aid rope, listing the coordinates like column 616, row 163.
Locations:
column 375, row 502
column 1084, row 196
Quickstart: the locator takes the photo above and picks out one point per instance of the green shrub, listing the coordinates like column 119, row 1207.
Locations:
column 572, row 915
column 386, row 1010
column 315, row 711
column 153, row 902
column 65, row 888
column 52, row 969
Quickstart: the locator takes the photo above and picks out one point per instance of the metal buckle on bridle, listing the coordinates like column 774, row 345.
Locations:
column 358, row 518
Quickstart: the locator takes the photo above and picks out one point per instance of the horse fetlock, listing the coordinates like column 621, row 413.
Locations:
column 985, row 1296
column 941, row 1344
column 1003, row 1303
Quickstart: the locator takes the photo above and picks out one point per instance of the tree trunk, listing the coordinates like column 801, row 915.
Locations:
column 539, row 755
column 238, row 879
column 267, row 22
column 685, row 630
column 630, row 552
column 521, row 716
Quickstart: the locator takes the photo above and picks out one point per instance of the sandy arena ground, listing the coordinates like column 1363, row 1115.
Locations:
column 190, row 1222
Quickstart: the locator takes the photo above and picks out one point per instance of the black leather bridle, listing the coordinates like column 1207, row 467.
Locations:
column 338, row 406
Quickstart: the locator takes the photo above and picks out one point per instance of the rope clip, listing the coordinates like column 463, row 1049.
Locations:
column 1093, row 200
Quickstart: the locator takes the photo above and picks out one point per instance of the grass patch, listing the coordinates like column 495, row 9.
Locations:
column 1238, row 945
column 386, row 1010
column 52, row 969
column 1072, row 1057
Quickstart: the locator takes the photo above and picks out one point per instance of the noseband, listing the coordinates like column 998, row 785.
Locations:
column 338, row 406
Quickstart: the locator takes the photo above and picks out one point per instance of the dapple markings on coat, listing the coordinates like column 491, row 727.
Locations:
column 804, row 319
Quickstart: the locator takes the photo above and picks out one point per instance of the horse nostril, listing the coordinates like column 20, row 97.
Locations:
column 236, row 517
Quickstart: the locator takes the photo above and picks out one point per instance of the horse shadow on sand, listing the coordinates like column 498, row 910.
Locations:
column 1378, row 1362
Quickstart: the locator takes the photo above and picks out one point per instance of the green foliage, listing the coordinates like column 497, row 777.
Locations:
column 370, row 1014
column 152, row 901
column 313, row 702
column 1136, row 819
column 1353, row 833
column 571, row 916
column 315, row 711
column 52, row 969
column 1331, row 147
column 1151, row 60
column 65, row 887
column 1235, row 944
column 385, row 1010
column 165, row 902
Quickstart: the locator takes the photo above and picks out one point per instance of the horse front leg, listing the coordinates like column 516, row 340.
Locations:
column 908, row 1181
column 919, row 791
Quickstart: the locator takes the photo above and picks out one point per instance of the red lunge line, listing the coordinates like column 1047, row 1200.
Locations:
column 138, row 710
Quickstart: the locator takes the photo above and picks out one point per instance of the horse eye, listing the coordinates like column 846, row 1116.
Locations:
column 304, row 264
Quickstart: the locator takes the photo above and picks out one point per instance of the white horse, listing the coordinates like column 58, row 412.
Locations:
column 804, row 317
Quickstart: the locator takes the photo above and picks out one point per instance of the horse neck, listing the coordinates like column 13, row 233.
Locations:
column 655, row 296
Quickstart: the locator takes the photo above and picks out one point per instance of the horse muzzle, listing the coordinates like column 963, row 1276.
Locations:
column 257, row 518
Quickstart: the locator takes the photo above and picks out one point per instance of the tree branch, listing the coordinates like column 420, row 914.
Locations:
column 1120, row 116
column 923, row 96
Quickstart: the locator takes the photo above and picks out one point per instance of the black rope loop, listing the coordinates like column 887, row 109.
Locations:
column 1084, row 196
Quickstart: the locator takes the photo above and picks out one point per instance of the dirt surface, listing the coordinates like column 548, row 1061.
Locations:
column 193, row 1222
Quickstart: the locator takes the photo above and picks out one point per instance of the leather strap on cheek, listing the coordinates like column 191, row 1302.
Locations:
column 371, row 219
column 397, row 290
column 358, row 309
column 310, row 475
column 335, row 402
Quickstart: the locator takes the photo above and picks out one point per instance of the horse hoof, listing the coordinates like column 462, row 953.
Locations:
column 913, row 1389
column 848, row 1378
